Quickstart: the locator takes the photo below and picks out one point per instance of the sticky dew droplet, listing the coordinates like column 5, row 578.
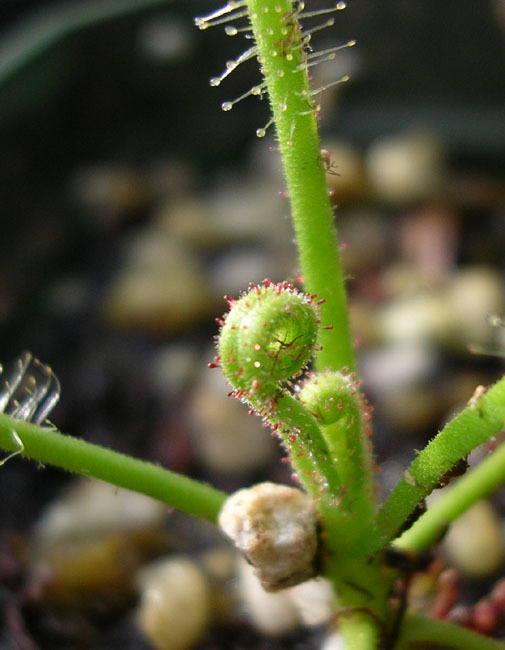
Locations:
column 234, row 63
column 329, row 23
column 330, row 85
column 229, row 30
column 320, row 12
column 222, row 15
column 257, row 91
column 327, row 55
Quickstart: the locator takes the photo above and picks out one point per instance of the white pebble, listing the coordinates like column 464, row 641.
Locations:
column 392, row 367
column 474, row 543
column 334, row 641
column 226, row 439
column 274, row 614
column 275, row 527
column 314, row 601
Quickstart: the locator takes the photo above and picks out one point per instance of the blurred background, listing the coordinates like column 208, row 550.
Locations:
column 131, row 203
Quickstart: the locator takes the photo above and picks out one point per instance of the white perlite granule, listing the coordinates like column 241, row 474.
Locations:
column 275, row 527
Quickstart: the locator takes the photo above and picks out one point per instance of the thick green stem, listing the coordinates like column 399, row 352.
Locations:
column 52, row 447
column 362, row 611
column 281, row 53
column 420, row 632
column 309, row 453
column 334, row 399
column 481, row 419
column 362, row 594
column 480, row 482
column 359, row 630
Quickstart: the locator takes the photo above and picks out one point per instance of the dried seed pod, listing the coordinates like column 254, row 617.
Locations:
column 275, row 527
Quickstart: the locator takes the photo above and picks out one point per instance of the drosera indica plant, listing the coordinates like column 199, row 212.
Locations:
column 267, row 340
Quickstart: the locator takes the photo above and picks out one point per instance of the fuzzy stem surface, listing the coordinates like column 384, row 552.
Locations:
column 484, row 479
column 479, row 421
column 281, row 51
column 75, row 455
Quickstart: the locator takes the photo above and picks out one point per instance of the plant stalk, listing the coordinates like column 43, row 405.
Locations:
column 421, row 632
column 278, row 37
column 74, row 455
column 479, row 421
column 281, row 46
column 483, row 480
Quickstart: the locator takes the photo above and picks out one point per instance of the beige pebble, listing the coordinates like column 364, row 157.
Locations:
column 473, row 294
column 161, row 288
column 219, row 565
column 173, row 367
column 189, row 221
column 226, row 439
column 474, row 543
column 400, row 279
column 235, row 212
column 419, row 318
column 406, row 168
column 174, row 610
column 109, row 191
column 275, row 527
column 81, row 573
column 90, row 508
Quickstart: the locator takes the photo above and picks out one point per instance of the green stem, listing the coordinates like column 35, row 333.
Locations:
column 362, row 610
column 483, row 480
column 480, row 420
column 280, row 49
column 309, row 452
column 359, row 630
column 420, row 632
column 52, row 447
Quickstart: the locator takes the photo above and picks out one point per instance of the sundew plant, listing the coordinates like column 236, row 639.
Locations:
column 287, row 352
